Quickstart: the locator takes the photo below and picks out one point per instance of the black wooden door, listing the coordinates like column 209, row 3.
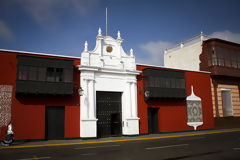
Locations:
column 153, row 120
column 109, row 114
column 54, row 122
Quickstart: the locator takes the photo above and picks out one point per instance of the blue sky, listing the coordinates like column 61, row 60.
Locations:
column 147, row 26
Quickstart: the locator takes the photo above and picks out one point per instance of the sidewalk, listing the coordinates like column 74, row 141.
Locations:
column 118, row 139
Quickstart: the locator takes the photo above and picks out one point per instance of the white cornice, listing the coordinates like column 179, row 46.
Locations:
column 108, row 70
column 149, row 65
column 44, row 54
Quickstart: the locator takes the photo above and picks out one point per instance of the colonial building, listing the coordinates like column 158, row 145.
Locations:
column 222, row 59
column 100, row 94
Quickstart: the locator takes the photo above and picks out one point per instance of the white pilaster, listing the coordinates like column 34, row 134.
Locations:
column 91, row 101
column 134, row 99
column 88, row 122
column 132, row 121
column 130, row 99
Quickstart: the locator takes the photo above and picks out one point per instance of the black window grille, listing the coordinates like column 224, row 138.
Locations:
column 32, row 73
column 50, row 74
column 44, row 76
column 22, row 72
column 159, row 83
column 41, row 74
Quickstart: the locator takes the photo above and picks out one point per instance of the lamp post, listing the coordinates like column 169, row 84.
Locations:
column 80, row 91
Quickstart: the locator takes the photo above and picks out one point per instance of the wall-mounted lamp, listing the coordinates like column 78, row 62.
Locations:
column 80, row 91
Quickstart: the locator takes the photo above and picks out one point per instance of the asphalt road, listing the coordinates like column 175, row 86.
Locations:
column 221, row 146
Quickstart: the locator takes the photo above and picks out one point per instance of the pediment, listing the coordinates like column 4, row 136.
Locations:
column 108, row 53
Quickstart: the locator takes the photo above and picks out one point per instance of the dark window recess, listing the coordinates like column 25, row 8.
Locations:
column 224, row 57
column 22, row 72
column 163, row 84
column 68, row 77
column 44, row 76
column 50, row 74
column 59, row 75
column 41, row 74
column 32, row 73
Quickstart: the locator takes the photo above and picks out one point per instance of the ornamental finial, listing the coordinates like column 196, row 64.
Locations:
column 99, row 32
column 118, row 35
column 86, row 46
column 201, row 36
column 131, row 52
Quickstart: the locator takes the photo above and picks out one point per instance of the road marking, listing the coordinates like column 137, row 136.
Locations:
column 177, row 145
column 87, row 154
column 123, row 140
column 98, row 147
column 35, row 158
column 236, row 148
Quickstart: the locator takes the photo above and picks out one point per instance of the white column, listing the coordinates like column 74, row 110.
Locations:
column 87, row 99
column 88, row 123
column 91, row 99
column 84, row 100
column 129, row 99
column 134, row 99
column 132, row 121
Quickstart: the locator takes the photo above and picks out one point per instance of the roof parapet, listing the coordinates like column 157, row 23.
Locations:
column 189, row 42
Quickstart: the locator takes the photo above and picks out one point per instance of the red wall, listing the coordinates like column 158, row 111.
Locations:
column 28, row 113
column 202, row 89
column 172, row 115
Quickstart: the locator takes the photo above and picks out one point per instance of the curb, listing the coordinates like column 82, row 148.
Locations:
column 123, row 140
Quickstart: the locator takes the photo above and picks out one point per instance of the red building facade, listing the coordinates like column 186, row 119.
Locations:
column 43, row 97
column 28, row 111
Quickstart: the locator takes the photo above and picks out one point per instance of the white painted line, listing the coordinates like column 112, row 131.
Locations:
column 87, row 154
column 177, row 145
column 98, row 147
column 35, row 158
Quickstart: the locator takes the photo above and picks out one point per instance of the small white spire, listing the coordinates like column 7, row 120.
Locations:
column 192, row 90
column 131, row 52
column 118, row 35
column 99, row 32
column 182, row 45
column 201, row 36
column 85, row 46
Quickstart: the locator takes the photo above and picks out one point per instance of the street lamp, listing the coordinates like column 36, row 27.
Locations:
column 80, row 91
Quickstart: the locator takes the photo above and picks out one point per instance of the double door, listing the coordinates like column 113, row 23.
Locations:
column 109, row 114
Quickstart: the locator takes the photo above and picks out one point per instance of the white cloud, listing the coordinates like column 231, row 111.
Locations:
column 5, row 33
column 227, row 35
column 48, row 11
column 155, row 51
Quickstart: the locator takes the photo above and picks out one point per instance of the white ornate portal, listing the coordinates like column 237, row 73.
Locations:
column 194, row 110
column 5, row 104
column 108, row 68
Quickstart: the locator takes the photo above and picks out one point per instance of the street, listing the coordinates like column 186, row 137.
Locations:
column 221, row 146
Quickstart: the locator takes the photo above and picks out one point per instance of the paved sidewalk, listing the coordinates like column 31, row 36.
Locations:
column 49, row 143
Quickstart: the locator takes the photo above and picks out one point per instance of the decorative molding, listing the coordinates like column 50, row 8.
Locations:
column 5, row 104
column 194, row 110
